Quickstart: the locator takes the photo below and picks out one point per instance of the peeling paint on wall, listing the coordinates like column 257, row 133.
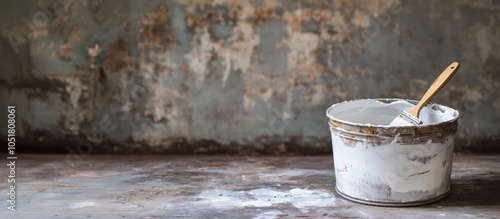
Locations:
column 215, row 75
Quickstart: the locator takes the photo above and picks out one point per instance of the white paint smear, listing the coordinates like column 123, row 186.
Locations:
column 82, row 204
column 269, row 215
column 303, row 199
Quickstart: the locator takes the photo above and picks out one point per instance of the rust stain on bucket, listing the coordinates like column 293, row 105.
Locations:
column 391, row 166
column 419, row 173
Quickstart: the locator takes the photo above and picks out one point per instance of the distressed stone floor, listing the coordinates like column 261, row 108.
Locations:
column 51, row 186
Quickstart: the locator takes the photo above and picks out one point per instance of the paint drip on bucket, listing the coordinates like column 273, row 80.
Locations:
column 391, row 166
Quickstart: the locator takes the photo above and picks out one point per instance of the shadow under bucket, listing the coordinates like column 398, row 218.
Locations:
column 385, row 165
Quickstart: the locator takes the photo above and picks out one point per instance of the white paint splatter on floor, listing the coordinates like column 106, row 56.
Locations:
column 269, row 214
column 82, row 204
column 299, row 172
column 302, row 199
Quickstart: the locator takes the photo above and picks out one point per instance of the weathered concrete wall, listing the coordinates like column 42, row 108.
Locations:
column 236, row 76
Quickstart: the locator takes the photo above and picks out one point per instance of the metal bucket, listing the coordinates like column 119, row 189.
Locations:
column 391, row 166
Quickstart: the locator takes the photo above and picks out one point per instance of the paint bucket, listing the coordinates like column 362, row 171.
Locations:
column 381, row 165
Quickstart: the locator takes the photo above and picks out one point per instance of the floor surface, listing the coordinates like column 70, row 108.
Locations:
column 97, row 186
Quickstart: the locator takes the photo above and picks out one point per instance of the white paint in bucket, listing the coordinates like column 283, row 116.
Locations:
column 383, row 165
column 373, row 112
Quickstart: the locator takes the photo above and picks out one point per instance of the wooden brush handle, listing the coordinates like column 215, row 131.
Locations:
column 435, row 88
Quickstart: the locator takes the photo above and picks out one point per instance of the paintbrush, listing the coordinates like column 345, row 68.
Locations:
column 410, row 117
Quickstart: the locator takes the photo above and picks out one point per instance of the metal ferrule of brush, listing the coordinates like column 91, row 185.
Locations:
column 410, row 118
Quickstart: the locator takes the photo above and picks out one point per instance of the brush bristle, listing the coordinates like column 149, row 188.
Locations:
column 405, row 119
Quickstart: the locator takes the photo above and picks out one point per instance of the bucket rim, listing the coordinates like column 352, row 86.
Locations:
column 456, row 114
